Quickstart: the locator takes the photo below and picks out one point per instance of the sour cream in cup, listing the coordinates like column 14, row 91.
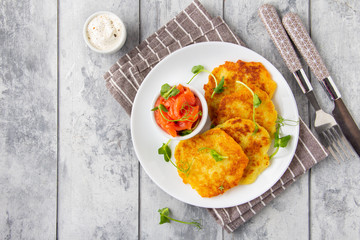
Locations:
column 104, row 32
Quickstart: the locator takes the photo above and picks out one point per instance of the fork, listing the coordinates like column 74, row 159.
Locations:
column 325, row 125
column 332, row 137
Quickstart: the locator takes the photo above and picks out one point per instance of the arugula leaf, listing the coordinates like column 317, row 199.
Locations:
column 166, row 151
column 164, row 218
column 167, row 91
column 197, row 69
column 217, row 156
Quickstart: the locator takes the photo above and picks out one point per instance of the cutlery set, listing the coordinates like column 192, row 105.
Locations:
column 331, row 128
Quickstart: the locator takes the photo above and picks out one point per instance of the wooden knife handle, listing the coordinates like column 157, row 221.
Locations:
column 303, row 42
column 278, row 34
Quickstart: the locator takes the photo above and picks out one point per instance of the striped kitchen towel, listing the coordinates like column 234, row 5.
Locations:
column 194, row 25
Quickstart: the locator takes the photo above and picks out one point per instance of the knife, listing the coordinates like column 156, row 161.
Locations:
column 303, row 42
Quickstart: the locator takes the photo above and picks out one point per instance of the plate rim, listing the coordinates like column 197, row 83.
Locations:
column 159, row 64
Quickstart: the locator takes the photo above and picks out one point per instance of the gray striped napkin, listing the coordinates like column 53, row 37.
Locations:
column 194, row 25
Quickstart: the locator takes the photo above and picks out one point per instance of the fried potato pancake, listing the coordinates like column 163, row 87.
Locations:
column 253, row 74
column 240, row 104
column 255, row 146
column 207, row 176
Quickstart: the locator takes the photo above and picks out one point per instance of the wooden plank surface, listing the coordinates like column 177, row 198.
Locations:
column 28, row 110
column 103, row 193
column 98, row 170
column 335, row 191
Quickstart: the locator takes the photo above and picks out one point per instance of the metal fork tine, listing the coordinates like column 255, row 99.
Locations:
column 332, row 149
column 344, row 141
column 338, row 141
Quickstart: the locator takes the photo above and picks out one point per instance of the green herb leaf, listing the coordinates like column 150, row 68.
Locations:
column 282, row 121
column 217, row 156
column 164, row 89
column 281, row 141
column 165, row 218
column 185, row 132
column 163, row 108
column 221, row 188
column 220, row 87
column 256, row 100
column 256, row 129
column 166, row 151
column 164, row 213
column 196, row 69
column 167, row 91
column 256, row 103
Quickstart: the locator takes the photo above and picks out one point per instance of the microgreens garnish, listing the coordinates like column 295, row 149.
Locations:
column 217, row 156
column 221, row 188
column 188, row 131
column 160, row 107
column 256, row 104
column 164, row 218
column 282, row 121
column 168, row 91
column 282, row 141
column 185, row 117
column 166, row 151
column 219, row 88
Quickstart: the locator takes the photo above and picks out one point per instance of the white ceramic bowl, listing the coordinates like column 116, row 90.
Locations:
column 120, row 42
column 201, row 124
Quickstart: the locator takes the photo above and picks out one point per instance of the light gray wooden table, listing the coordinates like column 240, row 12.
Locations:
column 68, row 169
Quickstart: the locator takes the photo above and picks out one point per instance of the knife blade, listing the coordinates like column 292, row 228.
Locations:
column 306, row 47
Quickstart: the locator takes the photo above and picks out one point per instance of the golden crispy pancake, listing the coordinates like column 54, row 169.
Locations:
column 253, row 74
column 207, row 176
column 240, row 104
column 255, row 146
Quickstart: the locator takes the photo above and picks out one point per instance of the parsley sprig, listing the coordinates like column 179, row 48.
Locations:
column 164, row 218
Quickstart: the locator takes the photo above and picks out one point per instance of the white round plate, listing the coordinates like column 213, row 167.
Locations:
column 176, row 68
